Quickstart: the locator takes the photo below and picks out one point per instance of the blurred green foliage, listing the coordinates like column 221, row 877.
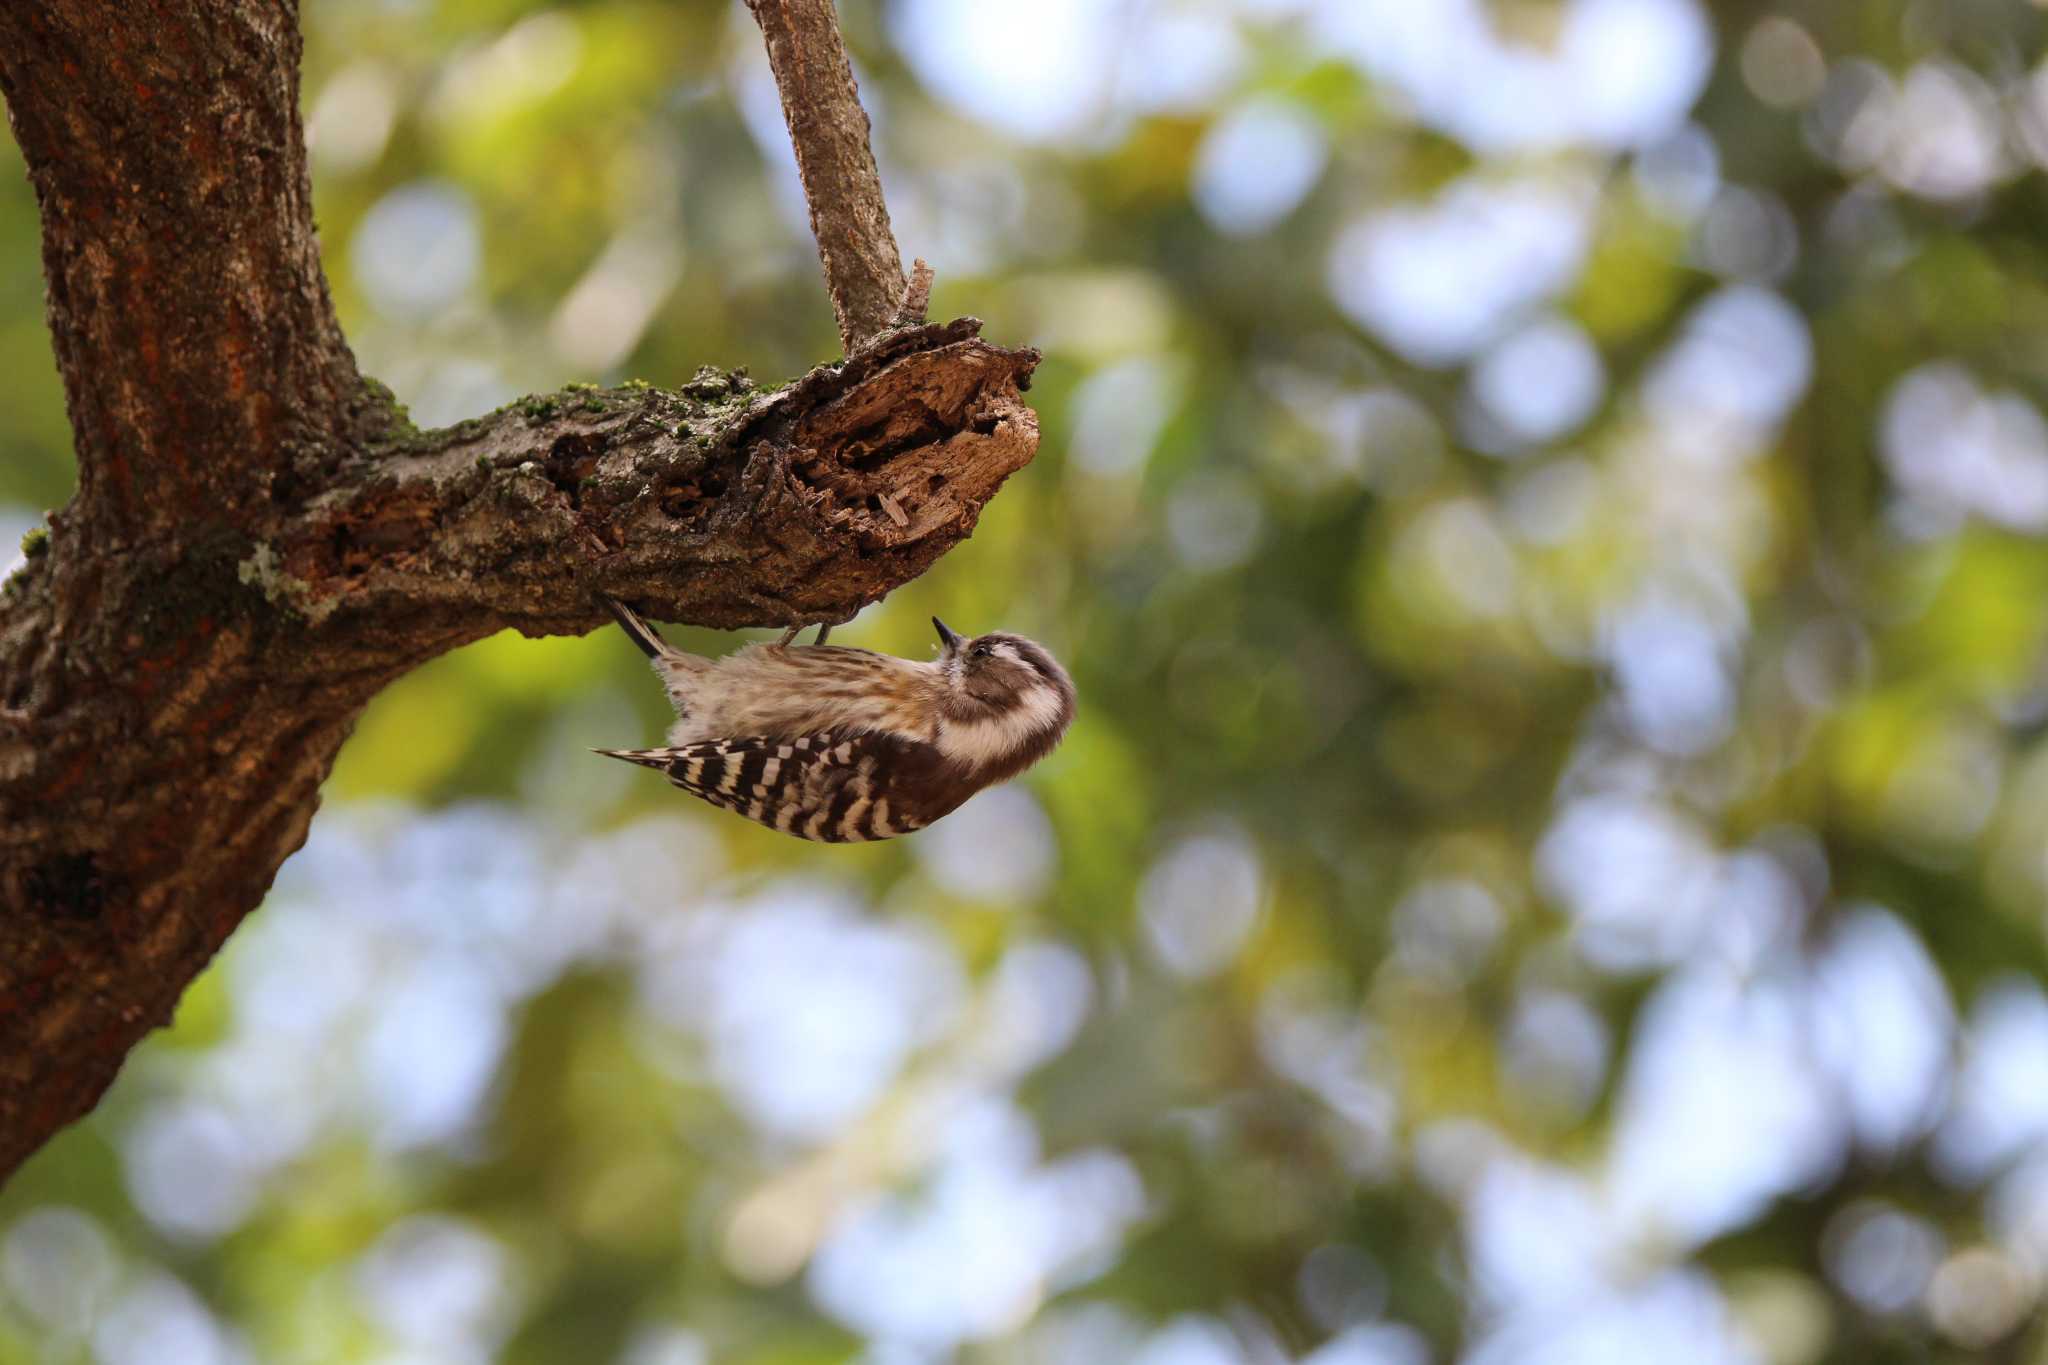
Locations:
column 1551, row 864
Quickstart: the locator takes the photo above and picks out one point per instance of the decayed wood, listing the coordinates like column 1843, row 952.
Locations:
column 716, row 505
column 261, row 541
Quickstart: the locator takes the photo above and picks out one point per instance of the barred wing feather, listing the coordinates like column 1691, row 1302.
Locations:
column 833, row 787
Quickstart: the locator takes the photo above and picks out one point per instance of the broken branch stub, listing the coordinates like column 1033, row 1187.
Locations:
column 718, row 504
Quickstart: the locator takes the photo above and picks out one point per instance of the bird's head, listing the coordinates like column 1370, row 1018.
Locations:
column 1004, row 699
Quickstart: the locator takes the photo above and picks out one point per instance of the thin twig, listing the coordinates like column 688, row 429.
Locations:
column 829, row 129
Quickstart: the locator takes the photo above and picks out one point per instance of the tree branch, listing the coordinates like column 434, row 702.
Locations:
column 829, row 129
column 152, row 136
column 717, row 504
column 261, row 540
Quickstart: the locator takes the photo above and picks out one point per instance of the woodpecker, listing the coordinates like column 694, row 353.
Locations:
column 847, row 745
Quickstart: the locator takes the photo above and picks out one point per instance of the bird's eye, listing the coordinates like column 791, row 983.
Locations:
column 981, row 650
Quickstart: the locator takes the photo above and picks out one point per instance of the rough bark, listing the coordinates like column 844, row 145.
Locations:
column 829, row 129
column 260, row 541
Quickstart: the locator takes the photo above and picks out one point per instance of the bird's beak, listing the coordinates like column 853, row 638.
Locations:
column 946, row 635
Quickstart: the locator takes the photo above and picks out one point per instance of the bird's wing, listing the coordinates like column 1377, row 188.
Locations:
column 835, row 787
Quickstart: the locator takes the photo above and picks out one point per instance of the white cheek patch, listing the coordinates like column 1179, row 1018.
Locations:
column 979, row 742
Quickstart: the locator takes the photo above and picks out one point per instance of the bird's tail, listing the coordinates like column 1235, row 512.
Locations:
column 637, row 630
column 646, row 758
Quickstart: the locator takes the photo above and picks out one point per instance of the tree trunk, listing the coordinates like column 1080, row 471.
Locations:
column 260, row 540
